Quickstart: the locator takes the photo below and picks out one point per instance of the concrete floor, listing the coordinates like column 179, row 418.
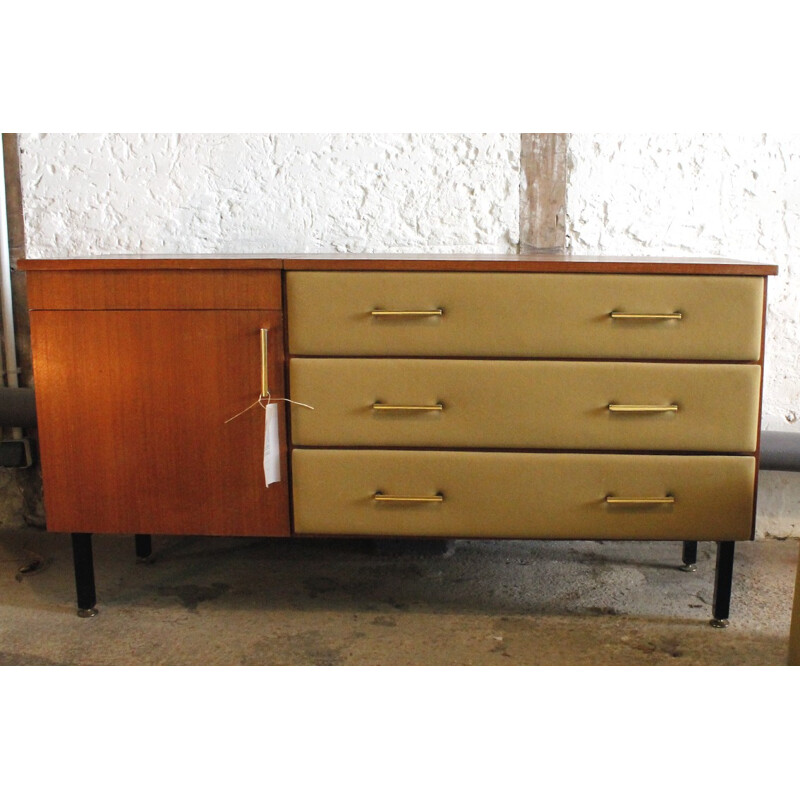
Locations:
column 208, row 601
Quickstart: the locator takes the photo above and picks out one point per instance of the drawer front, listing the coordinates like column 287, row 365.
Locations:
column 155, row 289
column 522, row 495
column 525, row 315
column 525, row 404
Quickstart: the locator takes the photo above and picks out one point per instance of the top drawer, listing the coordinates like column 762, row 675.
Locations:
column 154, row 289
column 525, row 315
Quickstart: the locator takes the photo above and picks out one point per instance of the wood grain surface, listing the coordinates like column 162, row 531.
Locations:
column 169, row 288
column 543, row 193
column 132, row 408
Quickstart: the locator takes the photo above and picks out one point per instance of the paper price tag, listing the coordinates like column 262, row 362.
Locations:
column 272, row 461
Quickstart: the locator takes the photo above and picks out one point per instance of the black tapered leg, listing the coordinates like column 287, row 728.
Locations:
column 723, row 581
column 689, row 557
column 84, row 574
column 144, row 547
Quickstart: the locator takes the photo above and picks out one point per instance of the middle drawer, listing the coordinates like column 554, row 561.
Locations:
column 581, row 405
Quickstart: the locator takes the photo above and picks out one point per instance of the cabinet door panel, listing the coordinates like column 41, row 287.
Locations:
column 132, row 408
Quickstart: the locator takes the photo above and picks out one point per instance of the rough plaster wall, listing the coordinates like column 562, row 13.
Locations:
column 88, row 194
column 707, row 195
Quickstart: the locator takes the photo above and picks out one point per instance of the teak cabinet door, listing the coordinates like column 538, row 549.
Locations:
column 132, row 408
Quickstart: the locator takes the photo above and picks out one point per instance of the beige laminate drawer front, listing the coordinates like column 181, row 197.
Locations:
column 522, row 495
column 525, row 404
column 525, row 315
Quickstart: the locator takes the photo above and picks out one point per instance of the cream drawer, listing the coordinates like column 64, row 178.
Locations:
column 525, row 404
column 522, row 495
column 537, row 315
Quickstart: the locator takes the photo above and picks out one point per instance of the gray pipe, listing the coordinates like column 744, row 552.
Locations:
column 780, row 451
column 17, row 408
column 6, row 301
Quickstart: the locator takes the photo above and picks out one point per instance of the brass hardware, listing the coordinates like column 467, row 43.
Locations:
column 624, row 315
column 633, row 409
column 264, row 365
column 379, row 312
column 387, row 407
column 393, row 498
column 640, row 501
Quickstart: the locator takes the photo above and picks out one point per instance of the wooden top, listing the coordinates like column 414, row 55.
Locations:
column 408, row 262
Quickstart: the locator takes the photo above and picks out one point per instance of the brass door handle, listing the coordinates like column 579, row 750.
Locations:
column 434, row 312
column 393, row 498
column 622, row 408
column 264, row 362
column 388, row 407
column 640, row 501
column 625, row 315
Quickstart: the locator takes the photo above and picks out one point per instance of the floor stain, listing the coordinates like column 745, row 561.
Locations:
column 191, row 595
column 603, row 610
column 320, row 584
column 307, row 648
column 27, row 660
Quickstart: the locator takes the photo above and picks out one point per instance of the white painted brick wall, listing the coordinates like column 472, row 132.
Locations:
column 269, row 193
column 707, row 195
column 629, row 194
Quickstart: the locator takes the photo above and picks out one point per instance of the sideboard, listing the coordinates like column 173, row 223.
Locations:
column 546, row 397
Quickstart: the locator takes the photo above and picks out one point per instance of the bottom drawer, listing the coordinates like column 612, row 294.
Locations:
column 522, row 495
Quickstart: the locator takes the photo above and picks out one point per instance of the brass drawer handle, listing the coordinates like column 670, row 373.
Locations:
column 388, row 407
column 393, row 498
column 640, row 501
column 624, row 315
column 380, row 312
column 623, row 408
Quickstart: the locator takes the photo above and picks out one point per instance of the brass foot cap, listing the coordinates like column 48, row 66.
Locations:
column 719, row 623
column 689, row 567
column 85, row 613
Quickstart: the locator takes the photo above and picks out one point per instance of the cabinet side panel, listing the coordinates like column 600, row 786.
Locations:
column 132, row 408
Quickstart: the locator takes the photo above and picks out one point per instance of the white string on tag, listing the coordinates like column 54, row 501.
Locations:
column 259, row 402
column 293, row 402
column 256, row 403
